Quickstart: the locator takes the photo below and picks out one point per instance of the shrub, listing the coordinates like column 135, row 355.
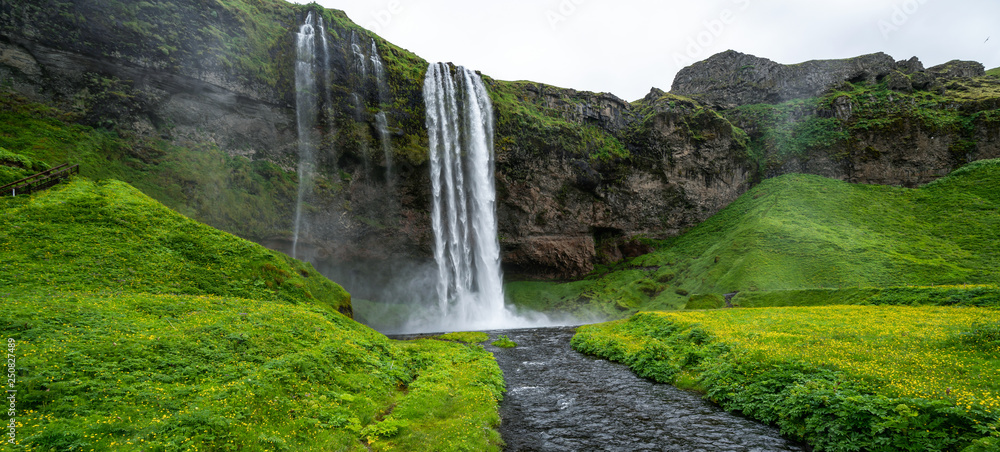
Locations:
column 705, row 301
column 504, row 342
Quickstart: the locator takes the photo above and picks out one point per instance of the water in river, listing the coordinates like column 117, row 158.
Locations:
column 561, row 400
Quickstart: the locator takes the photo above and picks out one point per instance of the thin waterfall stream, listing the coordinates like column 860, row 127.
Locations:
column 305, row 113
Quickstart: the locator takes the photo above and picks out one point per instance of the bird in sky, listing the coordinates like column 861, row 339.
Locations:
column 987, row 39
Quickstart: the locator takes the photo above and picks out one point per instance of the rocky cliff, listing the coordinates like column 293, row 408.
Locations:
column 197, row 102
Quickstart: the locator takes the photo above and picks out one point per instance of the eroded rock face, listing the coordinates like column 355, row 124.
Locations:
column 731, row 78
column 559, row 214
column 603, row 109
column 958, row 69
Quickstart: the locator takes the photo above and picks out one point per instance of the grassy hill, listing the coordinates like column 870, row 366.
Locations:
column 808, row 232
column 132, row 327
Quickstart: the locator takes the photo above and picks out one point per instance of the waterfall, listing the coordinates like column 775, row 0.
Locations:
column 383, row 135
column 305, row 112
column 379, row 69
column 326, row 63
column 360, row 66
column 463, row 211
column 380, row 120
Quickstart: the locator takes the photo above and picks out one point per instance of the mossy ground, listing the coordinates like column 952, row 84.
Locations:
column 135, row 328
column 798, row 232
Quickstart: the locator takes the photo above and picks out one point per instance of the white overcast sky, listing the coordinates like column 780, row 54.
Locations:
column 627, row 46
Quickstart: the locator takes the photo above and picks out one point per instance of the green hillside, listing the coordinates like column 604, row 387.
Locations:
column 806, row 232
column 108, row 236
column 132, row 327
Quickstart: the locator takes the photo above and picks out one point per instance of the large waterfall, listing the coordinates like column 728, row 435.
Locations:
column 463, row 212
column 305, row 112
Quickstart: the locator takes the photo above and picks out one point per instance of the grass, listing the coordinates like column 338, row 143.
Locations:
column 503, row 342
column 798, row 232
column 108, row 236
column 843, row 378
column 452, row 406
column 246, row 198
column 135, row 328
column 468, row 337
column 964, row 295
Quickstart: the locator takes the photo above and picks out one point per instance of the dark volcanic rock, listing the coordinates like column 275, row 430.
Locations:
column 732, row 78
column 910, row 66
column 898, row 81
column 958, row 69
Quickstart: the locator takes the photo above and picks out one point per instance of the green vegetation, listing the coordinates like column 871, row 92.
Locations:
column 995, row 72
column 108, row 236
column 964, row 295
column 138, row 329
column 525, row 120
column 247, row 198
column 468, row 337
column 102, row 121
column 503, row 342
column 563, row 298
column 798, row 232
column 247, row 40
column 705, row 301
column 15, row 167
column 834, row 124
column 789, row 129
column 840, row 378
column 693, row 121
column 452, row 406
column 173, row 35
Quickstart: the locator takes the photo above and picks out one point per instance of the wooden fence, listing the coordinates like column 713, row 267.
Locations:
column 40, row 181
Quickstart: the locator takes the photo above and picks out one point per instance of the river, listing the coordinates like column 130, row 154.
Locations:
column 561, row 400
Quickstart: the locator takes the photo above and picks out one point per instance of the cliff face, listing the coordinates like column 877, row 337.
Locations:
column 581, row 177
column 218, row 79
column 576, row 189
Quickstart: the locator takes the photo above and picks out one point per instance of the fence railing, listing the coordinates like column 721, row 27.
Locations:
column 40, row 181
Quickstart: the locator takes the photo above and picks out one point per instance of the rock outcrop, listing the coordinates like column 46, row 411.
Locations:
column 731, row 78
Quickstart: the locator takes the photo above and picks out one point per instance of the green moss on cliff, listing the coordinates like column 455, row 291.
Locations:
column 527, row 122
column 238, row 38
column 247, row 198
column 683, row 117
column 791, row 129
column 834, row 123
